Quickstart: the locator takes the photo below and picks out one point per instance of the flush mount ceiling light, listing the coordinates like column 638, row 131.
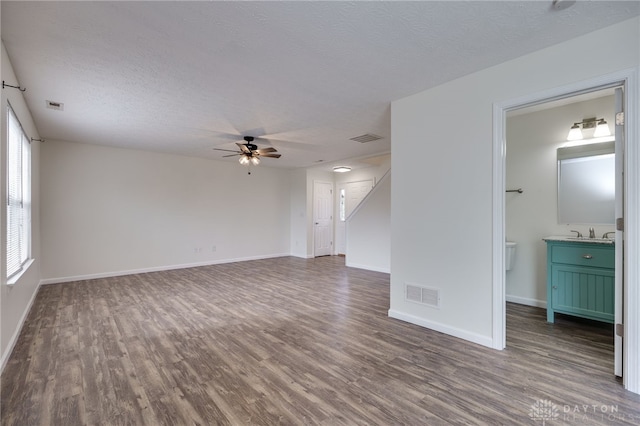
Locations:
column 341, row 169
column 563, row 4
column 599, row 124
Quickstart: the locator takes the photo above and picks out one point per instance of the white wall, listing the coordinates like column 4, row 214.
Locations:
column 109, row 211
column 369, row 230
column 532, row 143
column 16, row 299
column 441, row 216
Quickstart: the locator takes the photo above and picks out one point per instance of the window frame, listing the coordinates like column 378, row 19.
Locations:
column 18, row 193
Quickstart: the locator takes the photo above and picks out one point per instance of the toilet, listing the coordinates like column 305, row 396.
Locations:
column 509, row 255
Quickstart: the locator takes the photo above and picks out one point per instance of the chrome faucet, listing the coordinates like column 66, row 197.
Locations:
column 592, row 233
column 578, row 232
column 606, row 234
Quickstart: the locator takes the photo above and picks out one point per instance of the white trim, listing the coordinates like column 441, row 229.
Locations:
column 631, row 355
column 526, row 301
column 436, row 326
column 367, row 267
column 18, row 330
column 153, row 269
column 499, row 315
column 631, row 351
column 302, row 256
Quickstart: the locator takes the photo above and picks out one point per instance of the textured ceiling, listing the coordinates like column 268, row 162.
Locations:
column 185, row 77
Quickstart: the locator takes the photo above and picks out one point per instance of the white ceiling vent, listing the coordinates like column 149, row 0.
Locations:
column 366, row 138
column 424, row 295
column 58, row 106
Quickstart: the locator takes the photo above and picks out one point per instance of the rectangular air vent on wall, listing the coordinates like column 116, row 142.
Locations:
column 366, row 138
column 424, row 295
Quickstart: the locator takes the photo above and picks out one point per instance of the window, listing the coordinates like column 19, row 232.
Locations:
column 18, row 196
column 342, row 205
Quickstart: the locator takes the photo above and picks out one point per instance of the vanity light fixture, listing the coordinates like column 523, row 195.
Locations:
column 341, row 169
column 602, row 129
column 575, row 134
column 599, row 124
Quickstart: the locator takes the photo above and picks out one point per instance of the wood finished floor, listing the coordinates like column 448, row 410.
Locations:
column 289, row 341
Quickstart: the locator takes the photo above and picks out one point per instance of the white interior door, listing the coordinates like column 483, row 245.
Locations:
column 619, row 274
column 322, row 218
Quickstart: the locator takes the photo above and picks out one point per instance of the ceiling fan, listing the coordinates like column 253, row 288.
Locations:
column 249, row 152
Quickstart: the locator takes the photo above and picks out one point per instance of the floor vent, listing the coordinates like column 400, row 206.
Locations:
column 366, row 138
column 425, row 295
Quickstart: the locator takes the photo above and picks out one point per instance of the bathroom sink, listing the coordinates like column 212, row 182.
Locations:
column 593, row 240
column 580, row 239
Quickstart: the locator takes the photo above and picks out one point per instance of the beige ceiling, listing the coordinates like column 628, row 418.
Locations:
column 185, row 77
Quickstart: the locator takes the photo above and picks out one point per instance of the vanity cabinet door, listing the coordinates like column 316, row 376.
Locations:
column 583, row 291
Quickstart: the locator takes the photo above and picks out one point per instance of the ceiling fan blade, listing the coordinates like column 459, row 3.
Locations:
column 263, row 151
column 243, row 148
column 271, row 155
column 232, row 155
column 228, row 150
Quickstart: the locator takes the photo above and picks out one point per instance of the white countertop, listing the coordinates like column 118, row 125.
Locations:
column 588, row 240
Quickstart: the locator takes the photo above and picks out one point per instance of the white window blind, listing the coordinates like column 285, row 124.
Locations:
column 18, row 195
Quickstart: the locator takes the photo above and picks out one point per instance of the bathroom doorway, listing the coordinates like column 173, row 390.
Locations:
column 508, row 203
column 533, row 136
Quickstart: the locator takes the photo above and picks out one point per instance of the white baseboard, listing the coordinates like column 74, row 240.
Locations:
column 368, row 267
column 527, row 301
column 59, row 280
column 18, row 330
column 442, row 328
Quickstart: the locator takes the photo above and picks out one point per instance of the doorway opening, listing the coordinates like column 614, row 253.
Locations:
column 626, row 310
column 564, row 188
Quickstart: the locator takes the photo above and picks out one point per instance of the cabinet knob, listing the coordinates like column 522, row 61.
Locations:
column 555, row 287
column 587, row 256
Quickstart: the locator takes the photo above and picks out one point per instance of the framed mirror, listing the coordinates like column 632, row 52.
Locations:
column 586, row 184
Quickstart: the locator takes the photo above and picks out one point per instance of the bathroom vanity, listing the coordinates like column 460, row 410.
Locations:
column 581, row 278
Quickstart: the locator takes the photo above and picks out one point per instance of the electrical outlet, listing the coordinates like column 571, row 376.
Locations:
column 213, row 248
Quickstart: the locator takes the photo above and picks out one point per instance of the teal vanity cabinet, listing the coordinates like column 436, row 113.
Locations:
column 580, row 278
